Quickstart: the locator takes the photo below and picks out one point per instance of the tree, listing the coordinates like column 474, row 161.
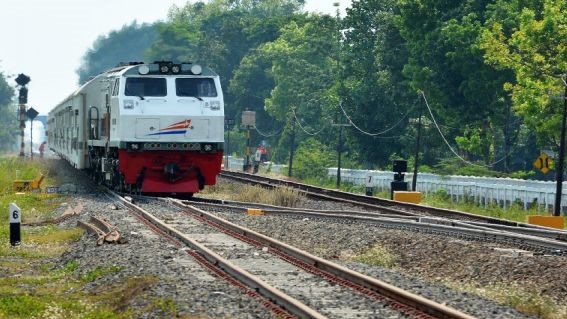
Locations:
column 221, row 32
column 375, row 92
column 304, row 75
column 125, row 45
column 528, row 38
column 446, row 62
column 7, row 116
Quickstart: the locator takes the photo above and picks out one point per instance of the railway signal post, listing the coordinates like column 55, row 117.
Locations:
column 248, row 121
column 22, row 80
column 31, row 114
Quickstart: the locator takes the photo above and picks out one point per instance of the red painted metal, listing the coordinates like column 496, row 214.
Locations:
column 152, row 165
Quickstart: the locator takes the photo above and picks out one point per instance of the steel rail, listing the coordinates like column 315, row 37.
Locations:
column 288, row 303
column 539, row 232
column 372, row 202
column 480, row 231
column 427, row 306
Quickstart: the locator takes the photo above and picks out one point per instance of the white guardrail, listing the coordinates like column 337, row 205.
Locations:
column 483, row 190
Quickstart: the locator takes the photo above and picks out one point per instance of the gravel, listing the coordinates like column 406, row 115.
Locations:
column 420, row 260
column 195, row 292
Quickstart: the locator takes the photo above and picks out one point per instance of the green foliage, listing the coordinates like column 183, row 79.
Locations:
column 528, row 38
column 7, row 116
column 312, row 159
column 376, row 256
column 124, row 45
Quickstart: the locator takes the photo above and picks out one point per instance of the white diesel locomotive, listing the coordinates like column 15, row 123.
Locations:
column 150, row 128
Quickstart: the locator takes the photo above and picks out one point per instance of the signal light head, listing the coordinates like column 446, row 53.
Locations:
column 22, row 79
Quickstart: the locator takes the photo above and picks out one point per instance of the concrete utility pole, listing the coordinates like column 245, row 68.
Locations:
column 559, row 176
column 417, row 144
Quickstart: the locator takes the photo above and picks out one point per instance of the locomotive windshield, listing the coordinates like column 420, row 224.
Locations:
column 196, row 87
column 145, row 87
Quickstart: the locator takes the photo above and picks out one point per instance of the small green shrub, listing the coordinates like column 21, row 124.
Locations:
column 99, row 272
column 377, row 256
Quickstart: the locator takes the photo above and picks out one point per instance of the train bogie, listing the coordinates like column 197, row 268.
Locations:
column 152, row 128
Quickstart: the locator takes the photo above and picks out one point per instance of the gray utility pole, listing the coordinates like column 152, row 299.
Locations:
column 559, row 176
column 414, row 179
column 228, row 125
column 339, row 150
column 291, row 148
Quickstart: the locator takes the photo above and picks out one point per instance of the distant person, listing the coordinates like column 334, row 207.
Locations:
column 42, row 149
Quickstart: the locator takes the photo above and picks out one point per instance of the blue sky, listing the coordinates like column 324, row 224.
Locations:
column 46, row 39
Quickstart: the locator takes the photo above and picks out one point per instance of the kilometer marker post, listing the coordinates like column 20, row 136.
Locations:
column 15, row 223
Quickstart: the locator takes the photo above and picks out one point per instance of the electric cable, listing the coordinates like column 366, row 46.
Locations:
column 301, row 126
column 374, row 134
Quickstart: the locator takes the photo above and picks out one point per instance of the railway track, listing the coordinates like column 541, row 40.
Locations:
column 296, row 282
column 399, row 208
column 541, row 241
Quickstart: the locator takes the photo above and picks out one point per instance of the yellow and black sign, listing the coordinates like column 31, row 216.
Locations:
column 544, row 163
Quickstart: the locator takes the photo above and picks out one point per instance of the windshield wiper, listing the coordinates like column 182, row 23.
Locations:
column 141, row 97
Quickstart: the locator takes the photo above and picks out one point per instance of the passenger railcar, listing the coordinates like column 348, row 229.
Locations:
column 150, row 128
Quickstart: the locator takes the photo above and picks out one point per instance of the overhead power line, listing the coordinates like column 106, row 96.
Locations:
column 374, row 134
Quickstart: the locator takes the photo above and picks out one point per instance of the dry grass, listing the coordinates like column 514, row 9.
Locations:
column 376, row 256
column 281, row 196
column 517, row 296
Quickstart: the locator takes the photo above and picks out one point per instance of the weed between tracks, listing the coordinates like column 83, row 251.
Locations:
column 281, row 196
column 376, row 256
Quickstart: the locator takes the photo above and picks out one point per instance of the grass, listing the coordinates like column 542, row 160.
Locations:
column 516, row 296
column 376, row 256
column 100, row 272
column 283, row 196
column 441, row 199
column 31, row 286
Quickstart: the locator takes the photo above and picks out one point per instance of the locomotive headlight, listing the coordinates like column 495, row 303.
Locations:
column 128, row 104
column 215, row 105
column 143, row 69
column 176, row 68
column 196, row 69
column 164, row 68
column 207, row 147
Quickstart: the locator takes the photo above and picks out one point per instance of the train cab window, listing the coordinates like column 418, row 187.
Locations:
column 197, row 87
column 145, row 87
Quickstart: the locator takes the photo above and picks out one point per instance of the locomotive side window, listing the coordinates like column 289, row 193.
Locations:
column 196, row 87
column 145, row 87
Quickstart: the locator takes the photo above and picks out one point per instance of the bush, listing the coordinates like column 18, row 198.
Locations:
column 312, row 159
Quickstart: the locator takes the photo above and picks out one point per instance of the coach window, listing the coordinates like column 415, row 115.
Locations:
column 196, row 87
column 145, row 87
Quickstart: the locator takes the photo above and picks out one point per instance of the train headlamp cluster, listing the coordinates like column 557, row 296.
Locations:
column 167, row 67
column 143, row 69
